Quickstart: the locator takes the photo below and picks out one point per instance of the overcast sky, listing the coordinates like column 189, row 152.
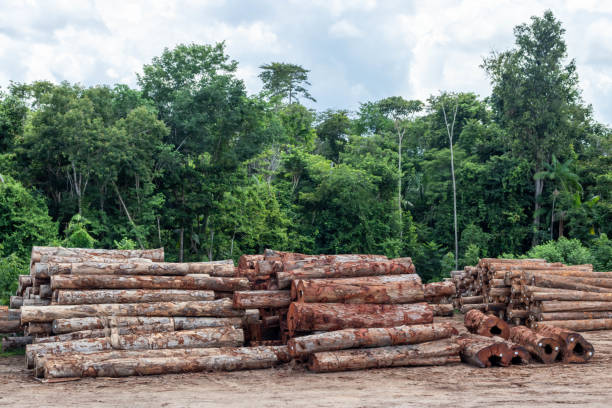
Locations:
column 357, row 50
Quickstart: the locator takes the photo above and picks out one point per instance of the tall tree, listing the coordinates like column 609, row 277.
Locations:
column 285, row 81
column 536, row 96
column 450, row 130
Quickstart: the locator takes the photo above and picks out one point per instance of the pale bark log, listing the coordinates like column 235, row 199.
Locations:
column 194, row 282
column 257, row 299
column 583, row 306
column 439, row 289
column 582, row 325
column 15, row 342
column 153, row 254
column 573, row 316
column 15, row 302
column 80, row 297
column 442, row 309
column 10, row 326
column 335, row 316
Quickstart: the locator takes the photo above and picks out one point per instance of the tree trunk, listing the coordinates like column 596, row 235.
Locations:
column 154, row 362
column 346, row 270
column 210, row 308
column 82, row 297
column 38, row 329
column 201, row 338
column 442, row 309
column 437, row 352
column 539, row 187
column 156, row 255
column 258, row 299
column 582, row 325
column 193, row 282
column 572, row 283
column 301, row 347
column 289, row 263
column 335, row 316
column 10, row 326
column 572, row 295
column 579, row 306
column 359, row 290
column 400, row 136
column 573, row 316
column 486, row 325
column 439, row 289
column 544, row 348
column 15, row 302
column 9, row 343
column 576, row 349
column 484, row 352
column 219, row 268
column 470, row 300
column 181, row 243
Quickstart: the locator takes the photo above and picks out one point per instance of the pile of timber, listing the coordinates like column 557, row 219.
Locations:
column 494, row 342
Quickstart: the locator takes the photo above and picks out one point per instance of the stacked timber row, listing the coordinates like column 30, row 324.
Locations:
column 569, row 297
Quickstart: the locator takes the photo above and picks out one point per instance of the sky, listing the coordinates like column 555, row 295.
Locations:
column 356, row 50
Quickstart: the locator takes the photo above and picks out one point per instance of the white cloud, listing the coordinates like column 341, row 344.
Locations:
column 344, row 29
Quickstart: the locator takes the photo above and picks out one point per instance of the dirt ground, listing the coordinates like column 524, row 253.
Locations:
column 447, row 386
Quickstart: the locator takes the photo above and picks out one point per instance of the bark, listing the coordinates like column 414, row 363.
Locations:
column 24, row 282
column 580, row 306
column 571, row 295
column 545, row 348
column 10, row 326
column 152, row 254
column 257, row 299
column 301, row 347
column 10, row 314
column 431, row 353
column 15, row 342
column 210, row 308
column 45, row 291
column 573, row 316
column 155, row 362
column 345, row 270
column 479, row 306
column 407, row 289
column 582, row 325
column 194, row 282
column 200, row 338
column 36, row 302
column 317, row 261
column 15, row 302
column 571, row 283
column 54, row 259
column 98, row 333
column 486, row 325
column 442, row 309
column 222, row 268
column 248, row 261
column 335, row 316
column 439, row 289
column 470, row 300
column 576, row 349
column 38, row 329
column 80, row 297
column 481, row 351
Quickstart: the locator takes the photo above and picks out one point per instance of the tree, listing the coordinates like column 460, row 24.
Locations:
column 450, row 130
column 400, row 111
column 333, row 132
column 536, row 96
column 282, row 80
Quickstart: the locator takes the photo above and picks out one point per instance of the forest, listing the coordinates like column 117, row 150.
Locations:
column 191, row 162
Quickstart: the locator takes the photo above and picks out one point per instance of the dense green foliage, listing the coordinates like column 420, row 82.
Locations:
column 191, row 162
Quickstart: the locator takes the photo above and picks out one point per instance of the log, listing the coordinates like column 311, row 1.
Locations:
column 571, row 295
column 381, row 290
column 152, row 254
column 55, row 259
column 38, row 329
column 80, row 297
column 439, row 289
column 467, row 308
column 582, row 325
column 345, row 270
column 24, row 282
column 11, row 314
column 301, row 347
column 575, row 348
column 155, row 362
column 15, row 302
column 210, row 308
column 36, row 302
column 336, row 316
column 210, row 337
column 149, row 282
column 316, row 261
column 442, row 309
column 575, row 273
column 191, row 323
column 545, row 348
column 573, row 316
column 10, row 326
column 15, row 342
column 481, row 351
column 437, row 352
column 571, row 283
column 582, row 306
column 45, row 291
column 470, row 300
column 486, row 325
column 222, row 268
column 257, row 299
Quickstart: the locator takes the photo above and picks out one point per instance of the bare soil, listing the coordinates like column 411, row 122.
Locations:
column 456, row 385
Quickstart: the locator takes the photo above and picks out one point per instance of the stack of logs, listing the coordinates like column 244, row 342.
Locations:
column 528, row 291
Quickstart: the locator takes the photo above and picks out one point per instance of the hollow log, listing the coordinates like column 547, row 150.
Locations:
column 407, row 289
column 153, row 362
column 10, row 326
column 15, row 342
column 431, row 353
column 481, row 351
column 486, row 325
column 575, row 348
column 301, row 347
column 580, row 306
column 442, row 309
column 439, row 289
column 148, row 282
column 152, row 254
column 80, row 297
column 210, row 308
column 15, row 302
column 582, row 325
column 335, row 316
column 257, row 299
column 470, row 300
column 545, row 348
column 573, row 316
column 210, row 337
column 345, row 270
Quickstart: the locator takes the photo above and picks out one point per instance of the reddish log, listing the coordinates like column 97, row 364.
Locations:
column 544, row 348
column 486, row 325
column 193, row 282
column 481, row 351
column 257, row 299
column 582, row 325
column 438, row 289
column 575, row 348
